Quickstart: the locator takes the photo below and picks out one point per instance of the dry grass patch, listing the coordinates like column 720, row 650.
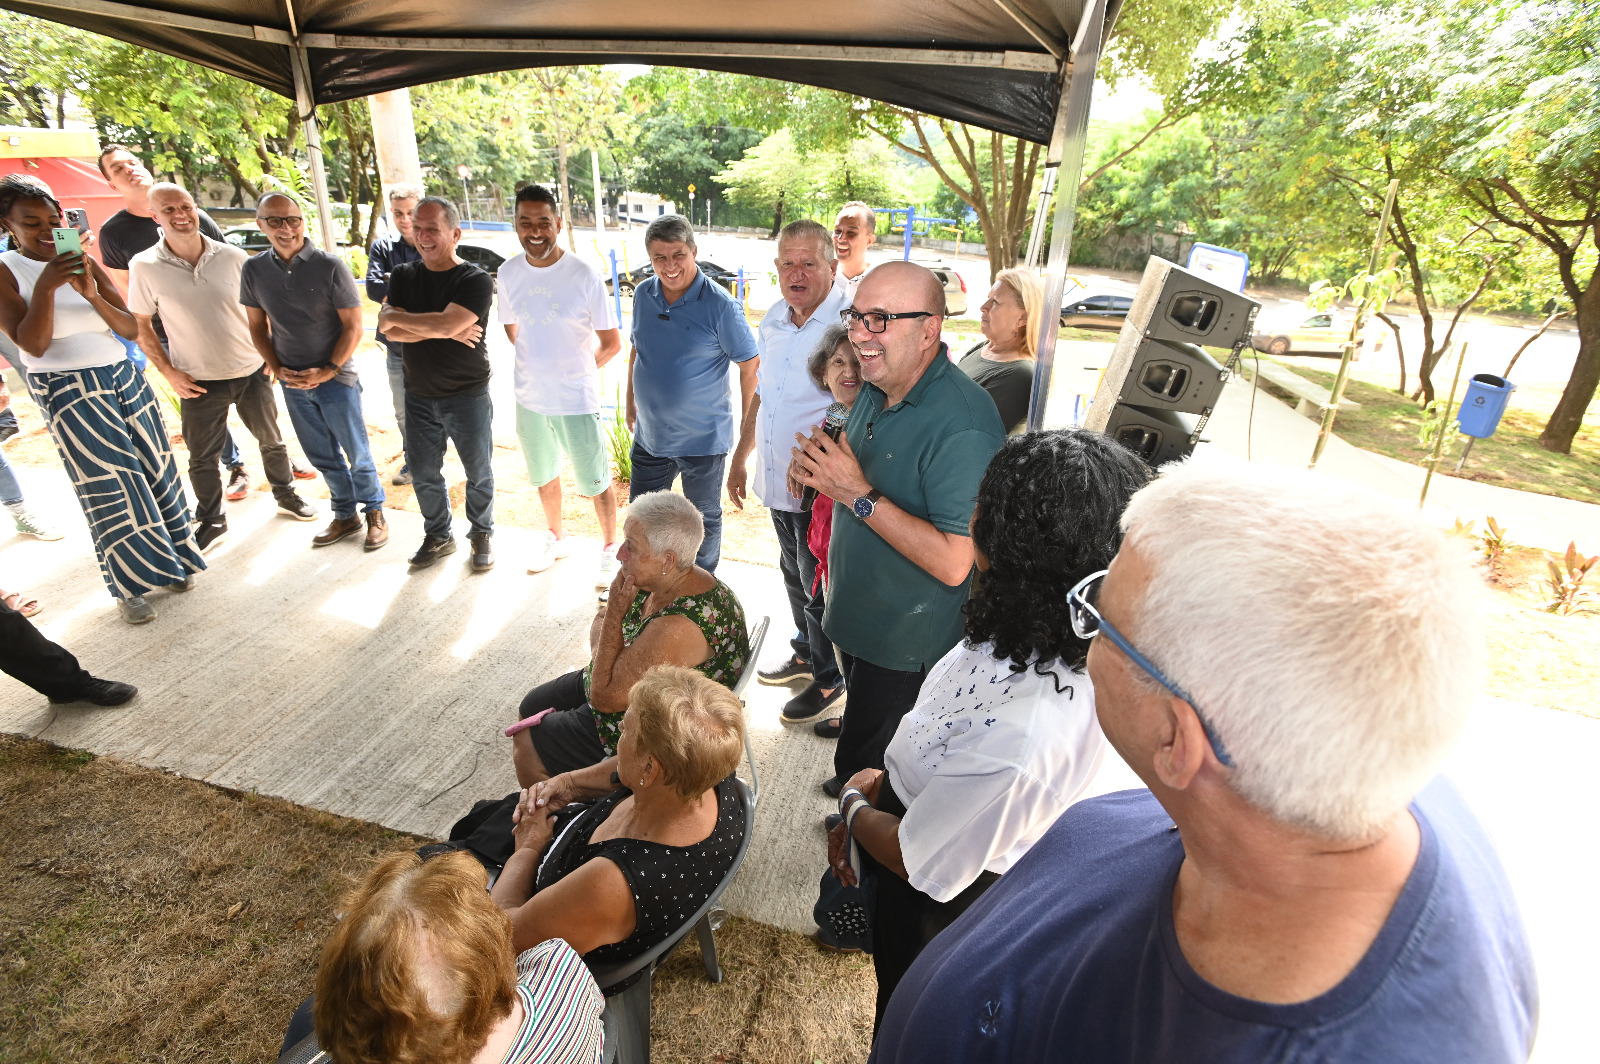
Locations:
column 147, row 917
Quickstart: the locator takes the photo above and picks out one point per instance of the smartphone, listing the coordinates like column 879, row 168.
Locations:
column 78, row 218
column 68, row 241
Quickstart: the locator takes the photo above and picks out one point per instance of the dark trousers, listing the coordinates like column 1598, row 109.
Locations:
column 879, row 697
column 904, row 921
column 799, row 568
column 205, row 430
column 431, row 424
column 27, row 655
column 702, row 485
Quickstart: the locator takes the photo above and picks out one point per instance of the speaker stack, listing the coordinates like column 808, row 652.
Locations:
column 1160, row 387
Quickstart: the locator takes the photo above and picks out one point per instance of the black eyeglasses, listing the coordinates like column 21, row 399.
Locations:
column 875, row 321
column 274, row 221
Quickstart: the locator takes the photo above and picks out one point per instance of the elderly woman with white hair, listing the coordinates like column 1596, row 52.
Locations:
column 662, row 609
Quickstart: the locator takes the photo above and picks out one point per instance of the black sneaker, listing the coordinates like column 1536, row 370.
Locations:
column 790, row 671
column 482, row 551
column 810, row 703
column 209, row 534
column 101, row 693
column 297, row 508
column 832, row 787
column 433, row 548
column 828, row 729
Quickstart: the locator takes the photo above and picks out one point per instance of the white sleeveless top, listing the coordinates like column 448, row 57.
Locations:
column 82, row 340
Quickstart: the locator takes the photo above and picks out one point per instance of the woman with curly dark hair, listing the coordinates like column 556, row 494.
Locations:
column 1003, row 736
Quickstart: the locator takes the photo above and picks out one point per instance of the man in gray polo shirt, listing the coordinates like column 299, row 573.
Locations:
column 305, row 321
column 192, row 282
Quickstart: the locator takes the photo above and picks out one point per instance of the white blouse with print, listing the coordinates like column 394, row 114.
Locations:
column 985, row 762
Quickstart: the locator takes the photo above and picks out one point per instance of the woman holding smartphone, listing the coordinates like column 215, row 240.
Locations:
column 61, row 309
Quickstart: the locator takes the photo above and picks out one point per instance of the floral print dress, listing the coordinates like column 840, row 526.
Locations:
column 719, row 617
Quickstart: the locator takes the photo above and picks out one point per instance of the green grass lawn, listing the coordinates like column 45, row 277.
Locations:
column 1388, row 424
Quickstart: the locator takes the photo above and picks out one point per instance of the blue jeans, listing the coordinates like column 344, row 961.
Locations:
column 231, row 455
column 397, row 387
column 702, row 485
column 799, row 567
column 327, row 420
column 431, row 424
column 10, row 490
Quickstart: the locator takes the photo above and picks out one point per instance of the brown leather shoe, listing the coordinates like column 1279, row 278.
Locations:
column 337, row 529
column 377, row 530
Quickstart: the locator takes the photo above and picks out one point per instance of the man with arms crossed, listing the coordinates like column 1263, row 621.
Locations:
column 192, row 281
column 437, row 310
column 788, row 402
column 686, row 332
column 855, row 231
column 562, row 326
column 387, row 252
column 1285, row 660
column 305, row 320
column 905, row 478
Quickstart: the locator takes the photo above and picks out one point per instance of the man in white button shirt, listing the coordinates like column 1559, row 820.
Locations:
column 853, row 233
column 788, row 402
column 192, row 282
column 561, row 323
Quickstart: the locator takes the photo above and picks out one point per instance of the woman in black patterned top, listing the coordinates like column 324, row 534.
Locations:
column 617, row 875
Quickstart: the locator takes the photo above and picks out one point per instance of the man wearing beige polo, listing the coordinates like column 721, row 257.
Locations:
column 192, row 282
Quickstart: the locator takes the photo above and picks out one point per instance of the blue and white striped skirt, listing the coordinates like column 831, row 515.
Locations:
column 108, row 429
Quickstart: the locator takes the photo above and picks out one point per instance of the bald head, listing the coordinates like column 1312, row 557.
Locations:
column 164, row 190
column 274, row 202
column 902, row 286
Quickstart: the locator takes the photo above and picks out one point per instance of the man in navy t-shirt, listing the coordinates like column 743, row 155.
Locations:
column 1285, row 661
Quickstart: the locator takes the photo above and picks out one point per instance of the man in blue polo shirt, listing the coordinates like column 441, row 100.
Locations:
column 686, row 332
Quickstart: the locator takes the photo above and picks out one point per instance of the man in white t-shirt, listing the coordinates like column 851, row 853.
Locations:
column 853, row 233
column 561, row 323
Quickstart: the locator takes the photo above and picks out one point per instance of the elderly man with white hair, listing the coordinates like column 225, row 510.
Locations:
column 1285, row 661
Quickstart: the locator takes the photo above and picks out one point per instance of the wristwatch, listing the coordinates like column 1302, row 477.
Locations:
column 866, row 504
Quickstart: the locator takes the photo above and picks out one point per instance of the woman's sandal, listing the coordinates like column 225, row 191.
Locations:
column 23, row 604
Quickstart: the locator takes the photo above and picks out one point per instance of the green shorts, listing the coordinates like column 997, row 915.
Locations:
column 545, row 436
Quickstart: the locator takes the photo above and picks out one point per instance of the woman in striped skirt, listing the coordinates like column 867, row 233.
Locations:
column 61, row 311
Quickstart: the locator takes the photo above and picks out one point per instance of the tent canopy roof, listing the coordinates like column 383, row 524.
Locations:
column 998, row 64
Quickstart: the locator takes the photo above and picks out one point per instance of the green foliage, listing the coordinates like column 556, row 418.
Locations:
column 355, row 256
column 810, row 184
column 1437, row 420
column 671, row 154
column 621, row 442
column 1567, row 593
column 1493, row 542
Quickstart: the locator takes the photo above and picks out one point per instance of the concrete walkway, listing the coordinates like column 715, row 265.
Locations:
column 338, row 680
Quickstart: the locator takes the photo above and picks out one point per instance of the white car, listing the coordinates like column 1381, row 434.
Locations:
column 1319, row 334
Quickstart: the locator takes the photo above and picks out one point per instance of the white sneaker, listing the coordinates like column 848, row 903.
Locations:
column 608, row 567
column 551, row 550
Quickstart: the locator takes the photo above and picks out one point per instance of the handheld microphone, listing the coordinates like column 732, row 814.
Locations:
column 833, row 423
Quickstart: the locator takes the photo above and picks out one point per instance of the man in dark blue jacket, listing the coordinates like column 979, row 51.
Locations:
column 387, row 252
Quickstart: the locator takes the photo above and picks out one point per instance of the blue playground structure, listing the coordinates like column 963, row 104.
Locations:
column 912, row 218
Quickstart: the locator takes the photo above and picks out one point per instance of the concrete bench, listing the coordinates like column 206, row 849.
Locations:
column 1313, row 399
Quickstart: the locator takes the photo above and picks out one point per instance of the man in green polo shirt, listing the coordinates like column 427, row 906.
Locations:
column 904, row 479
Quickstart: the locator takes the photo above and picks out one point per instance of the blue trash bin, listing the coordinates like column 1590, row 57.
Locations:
column 1484, row 403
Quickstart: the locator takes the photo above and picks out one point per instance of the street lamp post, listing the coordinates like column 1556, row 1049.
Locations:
column 464, row 172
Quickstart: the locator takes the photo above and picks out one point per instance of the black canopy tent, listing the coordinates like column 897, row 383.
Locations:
column 1022, row 67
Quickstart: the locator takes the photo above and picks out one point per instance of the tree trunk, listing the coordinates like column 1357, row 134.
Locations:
column 777, row 218
column 566, row 195
column 1399, row 348
column 1567, row 417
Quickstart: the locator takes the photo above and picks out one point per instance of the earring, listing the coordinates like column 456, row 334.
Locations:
column 642, row 781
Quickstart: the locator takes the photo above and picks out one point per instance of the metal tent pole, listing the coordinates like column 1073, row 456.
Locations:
column 1066, row 152
column 308, row 121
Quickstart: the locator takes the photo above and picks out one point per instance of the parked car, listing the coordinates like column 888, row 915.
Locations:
column 1319, row 334
column 726, row 279
column 248, row 237
column 1097, row 311
column 955, row 290
column 481, row 256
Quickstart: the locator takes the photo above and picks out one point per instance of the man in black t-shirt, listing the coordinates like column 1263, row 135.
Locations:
column 437, row 311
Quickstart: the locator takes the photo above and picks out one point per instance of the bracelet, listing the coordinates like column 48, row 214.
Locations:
column 852, row 810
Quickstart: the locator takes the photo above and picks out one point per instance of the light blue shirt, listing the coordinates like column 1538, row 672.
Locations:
column 791, row 402
column 680, row 369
